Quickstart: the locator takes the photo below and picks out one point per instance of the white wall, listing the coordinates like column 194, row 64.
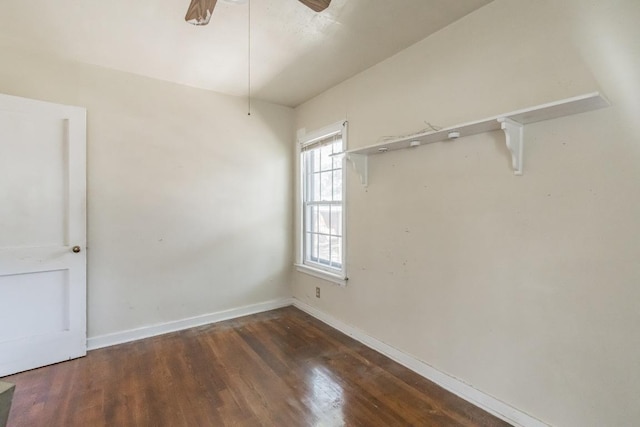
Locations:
column 526, row 287
column 188, row 198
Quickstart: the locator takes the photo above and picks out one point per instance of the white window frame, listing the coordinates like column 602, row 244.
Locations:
column 338, row 276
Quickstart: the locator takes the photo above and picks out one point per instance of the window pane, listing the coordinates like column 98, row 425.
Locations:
column 314, row 160
column 336, row 252
column 312, row 247
column 324, row 247
column 312, row 219
column 336, row 220
column 337, row 185
column 326, row 186
column 326, row 161
column 324, row 219
column 306, row 161
column 337, row 162
column 314, row 187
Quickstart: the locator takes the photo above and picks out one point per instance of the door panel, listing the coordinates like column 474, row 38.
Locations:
column 47, row 293
column 42, row 217
column 32, row 164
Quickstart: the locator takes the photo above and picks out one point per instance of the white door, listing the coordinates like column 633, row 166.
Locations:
column 42, row 233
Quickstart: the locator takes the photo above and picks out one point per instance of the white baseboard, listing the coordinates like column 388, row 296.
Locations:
column 107, row 340
column 454, row 385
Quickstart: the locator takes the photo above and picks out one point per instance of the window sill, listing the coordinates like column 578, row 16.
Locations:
column 321, row 274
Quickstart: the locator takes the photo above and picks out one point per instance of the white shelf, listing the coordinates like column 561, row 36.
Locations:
column 511, row 123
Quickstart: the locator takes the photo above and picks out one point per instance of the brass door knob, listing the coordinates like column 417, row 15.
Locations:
column 76, row 249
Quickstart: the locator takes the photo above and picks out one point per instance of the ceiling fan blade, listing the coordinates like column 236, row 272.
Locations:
column 199, row 12
column 317, row 5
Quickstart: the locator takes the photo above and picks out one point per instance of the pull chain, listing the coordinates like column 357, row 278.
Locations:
column 249, row 58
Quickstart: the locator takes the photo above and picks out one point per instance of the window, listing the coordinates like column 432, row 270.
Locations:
column 322, row 187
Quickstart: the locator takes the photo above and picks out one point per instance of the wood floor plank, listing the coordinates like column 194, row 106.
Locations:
column 281, row 368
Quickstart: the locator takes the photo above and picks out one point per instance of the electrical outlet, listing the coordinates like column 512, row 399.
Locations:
column 317, row 292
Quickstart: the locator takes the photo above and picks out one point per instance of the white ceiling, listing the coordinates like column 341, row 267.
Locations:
column 295, row 52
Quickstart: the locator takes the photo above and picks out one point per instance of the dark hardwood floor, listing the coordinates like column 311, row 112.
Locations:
column 281, row 368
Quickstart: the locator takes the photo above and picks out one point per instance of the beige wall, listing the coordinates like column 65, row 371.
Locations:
column 188, row 198
column 526, row 287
